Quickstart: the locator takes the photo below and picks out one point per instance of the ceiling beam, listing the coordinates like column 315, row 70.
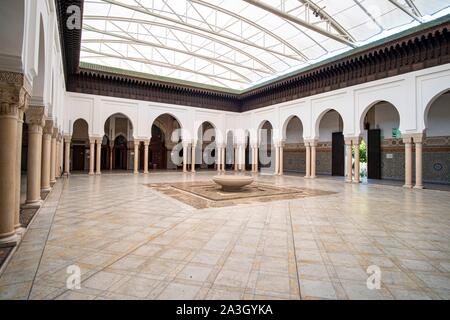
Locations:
column 408, row 10
column 294, row 19
column 156, row 63
column 182, row 29
column 218, row 62
column 199, row 28
column 310, row 5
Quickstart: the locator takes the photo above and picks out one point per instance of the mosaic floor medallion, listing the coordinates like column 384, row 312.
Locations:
column 207, row 194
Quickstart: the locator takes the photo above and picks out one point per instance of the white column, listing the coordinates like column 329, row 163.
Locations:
column 256, row 159
column 67, row 140
column 194, row 146
column 356, row 143
column 46, row 154
column 308, row 160
column 18, row 168
column 223, row 159
column 91, row 156
column 53, row 157
column 313, row 146
column 277, row 159
column 407, row 140
column 218, row 157
column 98, row 156
column 348, row 160
column 418, row 140
column 185, row 156
column 146, row 146
column 35, row 121
column 281, row 172
column 236, row 161
column 136, row 156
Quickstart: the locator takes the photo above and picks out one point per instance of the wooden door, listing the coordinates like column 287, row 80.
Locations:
column 338, row 155
column 78, row 154
column 374, row 154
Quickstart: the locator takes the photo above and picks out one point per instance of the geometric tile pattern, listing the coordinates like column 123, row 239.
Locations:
column 132, row 242
column 207, row 194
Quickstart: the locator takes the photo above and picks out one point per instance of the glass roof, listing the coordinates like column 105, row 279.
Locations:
column 240, row 43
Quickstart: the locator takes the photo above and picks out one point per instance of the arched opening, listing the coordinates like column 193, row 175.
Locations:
column 436, row 151
column 294, row 152
column 382, row 151
column 266, row 157
column 80, row 146
column 206, row 146
column 229, row 151
column 117, row 151
column 330, row 153
column 165, row 137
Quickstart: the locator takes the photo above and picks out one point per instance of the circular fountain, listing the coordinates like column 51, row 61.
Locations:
column 232, row 183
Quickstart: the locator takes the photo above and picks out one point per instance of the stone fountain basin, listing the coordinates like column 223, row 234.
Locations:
column 233, row 183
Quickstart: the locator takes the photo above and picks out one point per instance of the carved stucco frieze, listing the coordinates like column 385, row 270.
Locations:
column 14, row 94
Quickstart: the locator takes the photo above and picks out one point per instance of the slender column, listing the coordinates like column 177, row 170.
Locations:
column 218, row 158
column 58, row 156
column 313, row 146
column 348, row 160
column 46, row 155
column 277, row 159
column 111, row 155
column 308, row 160
column 194, row 145
column 67, row 140
column 418, row 140
column 98, row 156
column 356, row 143
column 281, row 160
column 408, row 161
column 240, row 154
column 257, row 159
column 185, row 156
column 223, row 159
column 236, row 158
column 136, row 156
column 18, row 163
column 92, row 156
column 36, row 122
column 146, row 145
column 53, row 157
column 253, row 158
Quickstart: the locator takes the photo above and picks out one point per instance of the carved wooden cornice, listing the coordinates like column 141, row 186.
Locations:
column 423, row 47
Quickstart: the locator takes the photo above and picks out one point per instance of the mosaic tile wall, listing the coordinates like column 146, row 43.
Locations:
column 436, row 159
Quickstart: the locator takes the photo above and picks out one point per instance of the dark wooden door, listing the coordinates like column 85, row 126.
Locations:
column 338, row 155
column 374, row 154
column 78, row 153
column 158, row 153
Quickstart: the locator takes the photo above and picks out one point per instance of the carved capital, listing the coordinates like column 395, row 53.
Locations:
column 48, row 127
column 35, row 116
column 55, row 133
column 14, row 94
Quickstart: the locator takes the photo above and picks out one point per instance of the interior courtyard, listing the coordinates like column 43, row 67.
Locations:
column 117, row 117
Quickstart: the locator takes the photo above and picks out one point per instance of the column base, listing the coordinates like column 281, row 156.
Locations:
column 357, row 181
column 307, row 177
column 48, row 189
column 98, row 173
column 91, row 173
column 348, row 181
column 32, row 204
column 9, row 241
column 52, row 182
column 145, row 172
column 20, row 231
column 312, row 177
column 419, row 187
column 407, row 186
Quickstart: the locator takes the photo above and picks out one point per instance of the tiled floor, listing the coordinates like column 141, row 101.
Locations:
column 132, row 242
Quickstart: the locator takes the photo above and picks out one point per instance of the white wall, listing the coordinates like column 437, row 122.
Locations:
column 386, row 119
column 405, row 92
column 438, row 118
